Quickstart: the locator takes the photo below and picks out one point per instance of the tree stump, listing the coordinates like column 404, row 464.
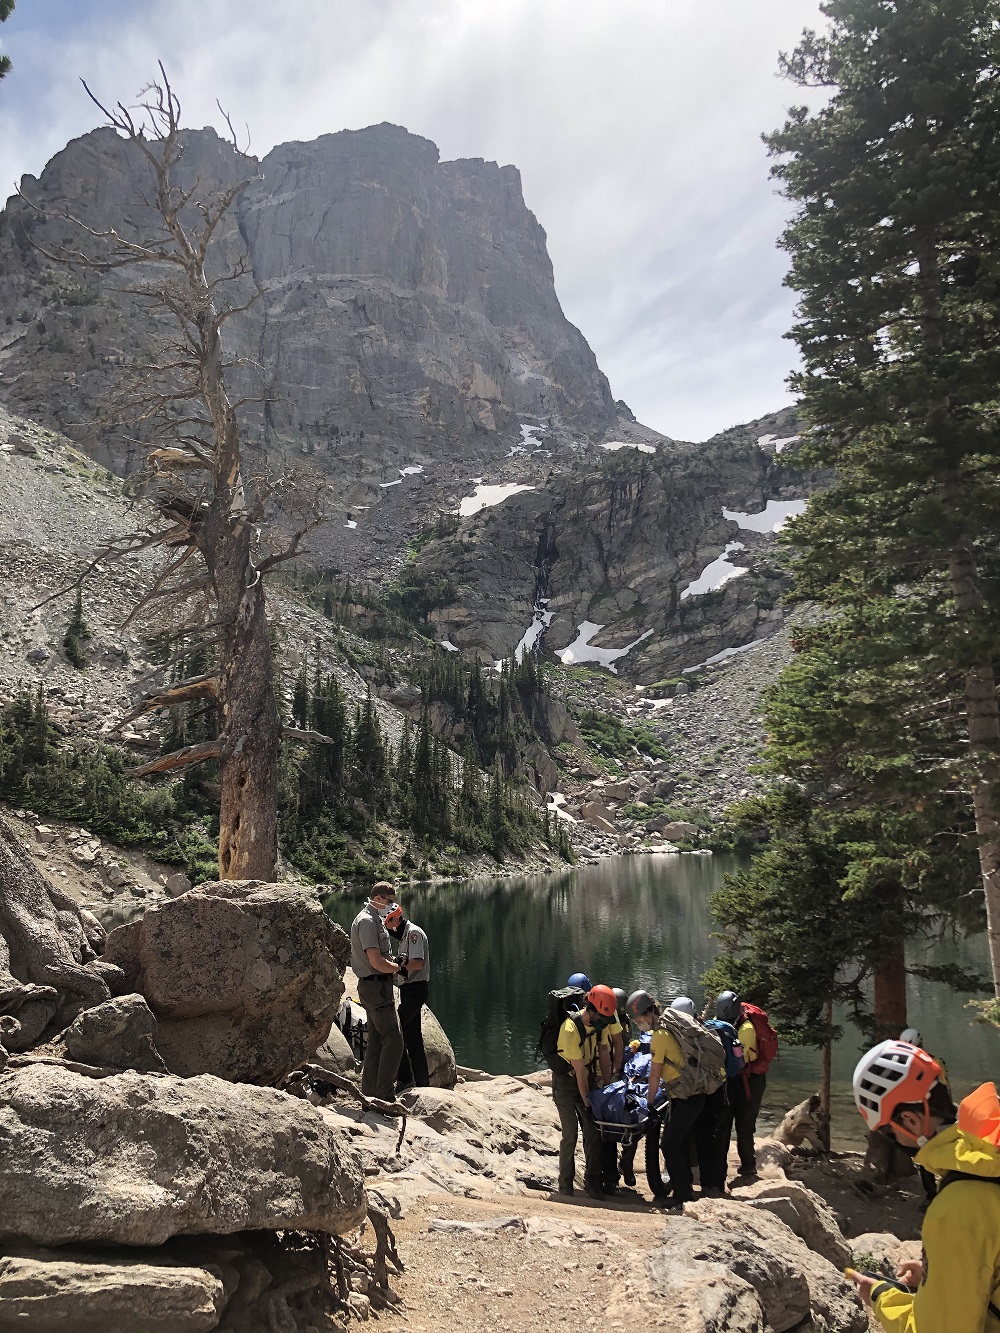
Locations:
column 50, row 968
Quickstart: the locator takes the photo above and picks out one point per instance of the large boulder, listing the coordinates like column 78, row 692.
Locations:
column 441, row 1067
column 805, row 1212
column 780, row 1286
column 118, row 1032
column 48, row 1292
column 833, row 1301
column 244, row 977
column 336, row 1053
column 134, row 1159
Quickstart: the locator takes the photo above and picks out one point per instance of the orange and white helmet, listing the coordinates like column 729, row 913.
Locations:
column 892, row 1074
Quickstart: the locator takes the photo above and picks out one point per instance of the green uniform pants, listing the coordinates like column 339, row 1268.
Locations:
column 573, row 1116
column 385, row 1041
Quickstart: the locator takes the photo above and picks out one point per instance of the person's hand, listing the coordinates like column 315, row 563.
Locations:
column 910, row 1271
column 865, row 1285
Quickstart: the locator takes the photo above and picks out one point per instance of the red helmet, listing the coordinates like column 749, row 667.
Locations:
column 393, row 917
column 602, row 999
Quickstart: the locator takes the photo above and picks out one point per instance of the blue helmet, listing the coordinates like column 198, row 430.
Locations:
column 727, row 1006
column 580, row 980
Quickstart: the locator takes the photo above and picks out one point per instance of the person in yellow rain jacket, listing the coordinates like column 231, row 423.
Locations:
column 899, row 1090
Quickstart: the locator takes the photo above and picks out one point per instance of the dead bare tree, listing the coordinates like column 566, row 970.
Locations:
column 211, row 515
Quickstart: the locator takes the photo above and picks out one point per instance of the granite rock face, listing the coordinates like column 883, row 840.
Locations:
column 120, row 1033
column 132, row 1159
column 244, row 978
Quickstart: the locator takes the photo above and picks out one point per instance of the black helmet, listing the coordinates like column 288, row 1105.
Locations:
column 727, row 1006
column 621, row 998
column 639, row 1002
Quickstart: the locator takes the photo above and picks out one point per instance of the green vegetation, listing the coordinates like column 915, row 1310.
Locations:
column 88, row 783
column 76, row 633
column 609, row 737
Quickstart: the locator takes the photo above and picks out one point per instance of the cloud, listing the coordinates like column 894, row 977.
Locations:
column 635, row 124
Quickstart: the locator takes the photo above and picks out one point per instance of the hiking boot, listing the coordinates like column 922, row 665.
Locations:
column 629, row 1178
column 566, row 1190
column 595, row 1192
column 713, row 1192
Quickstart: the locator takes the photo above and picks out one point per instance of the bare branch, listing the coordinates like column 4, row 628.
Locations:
column 199, row 687
column 167, row 763
column 306, row 737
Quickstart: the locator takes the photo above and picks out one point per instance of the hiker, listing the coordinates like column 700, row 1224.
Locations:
column 759, row 1044
column 611, row 1172
column 584, row 1045
column 414, row 959
column 927, row 1178
column 371, row 959
column 690, row 1062
column 706, row 1133
column 900, row 1092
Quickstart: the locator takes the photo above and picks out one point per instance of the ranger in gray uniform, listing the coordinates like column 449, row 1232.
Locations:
column 414, row 961
column 371, row 960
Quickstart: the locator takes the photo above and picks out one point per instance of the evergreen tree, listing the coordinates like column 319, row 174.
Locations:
column 76, row 632
column 6, row 9
column 897, row 220
column 300, row 699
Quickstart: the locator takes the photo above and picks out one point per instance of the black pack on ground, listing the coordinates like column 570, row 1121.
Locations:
column 563, row 1003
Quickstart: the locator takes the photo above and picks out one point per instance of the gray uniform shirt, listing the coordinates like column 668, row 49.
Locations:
column 414, row 945
column 367, row 932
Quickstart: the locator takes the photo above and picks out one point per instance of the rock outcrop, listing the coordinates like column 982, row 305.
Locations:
column 244, row 978
column 134, row 1159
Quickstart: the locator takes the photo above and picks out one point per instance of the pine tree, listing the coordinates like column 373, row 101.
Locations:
column 6, row 9
column 897, row 218
column 76, row 632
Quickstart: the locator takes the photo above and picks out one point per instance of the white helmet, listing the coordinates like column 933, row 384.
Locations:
column 912, row 1035
column 892, row 1074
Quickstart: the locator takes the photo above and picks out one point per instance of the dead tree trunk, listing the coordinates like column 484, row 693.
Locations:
column 889, row 977
column 213, row 529
column 49, row 951
column 983, row 723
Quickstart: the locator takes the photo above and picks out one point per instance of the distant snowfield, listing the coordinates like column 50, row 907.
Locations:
column 726, row 652
column 614, row 445
column 581, row 649
column 448, row 646
column 713, row 576
column 555, row 803
column 538, row 626
column 484, row 497
column 775, row 443
column 771, row 518
column 412, row 471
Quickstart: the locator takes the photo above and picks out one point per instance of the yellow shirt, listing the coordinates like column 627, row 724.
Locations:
column 747, row 1034
column 570, row 1047
column 665, row 1050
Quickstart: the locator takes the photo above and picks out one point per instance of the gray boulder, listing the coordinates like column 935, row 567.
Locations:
column 48, row 1292
column 336, row 1053
column 674, row 830
column 833, row 1301
column 441, row 1067
column 244, row 977
column 132, row 1159
column 781, row 1287
column 119, row 1033
column 809, row 1216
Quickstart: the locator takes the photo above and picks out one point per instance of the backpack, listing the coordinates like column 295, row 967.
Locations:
column 767, row 1038
column 704, row 1069
column 735, row 1060
column 563, row 1003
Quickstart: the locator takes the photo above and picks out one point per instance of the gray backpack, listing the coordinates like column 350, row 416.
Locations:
column 704, row 1068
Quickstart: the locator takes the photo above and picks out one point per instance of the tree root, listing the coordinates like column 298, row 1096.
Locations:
column 307, row 1081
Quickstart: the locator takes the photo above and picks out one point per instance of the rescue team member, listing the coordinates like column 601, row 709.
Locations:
column 745, row 1093
column 414, row 961
column 371, row 959
column 899, row 1090
column 586, row 1041
column 666, row 1064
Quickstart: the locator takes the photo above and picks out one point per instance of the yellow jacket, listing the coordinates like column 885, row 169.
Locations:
column 961, row 1241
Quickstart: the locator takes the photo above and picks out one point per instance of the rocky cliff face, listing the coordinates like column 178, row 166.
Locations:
column 408, row 346
column 408, row 313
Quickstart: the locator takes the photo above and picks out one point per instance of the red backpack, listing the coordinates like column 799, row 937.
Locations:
column 767, row 1038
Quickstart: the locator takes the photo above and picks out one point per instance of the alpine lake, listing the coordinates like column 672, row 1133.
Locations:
column 499, row 945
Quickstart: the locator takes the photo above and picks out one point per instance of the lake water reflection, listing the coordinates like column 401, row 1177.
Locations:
column 499, row 945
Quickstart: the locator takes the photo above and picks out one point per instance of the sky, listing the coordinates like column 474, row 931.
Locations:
column 635, row 124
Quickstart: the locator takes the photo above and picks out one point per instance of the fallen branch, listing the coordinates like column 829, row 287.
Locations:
column 395, row 1109
column 191, row 754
